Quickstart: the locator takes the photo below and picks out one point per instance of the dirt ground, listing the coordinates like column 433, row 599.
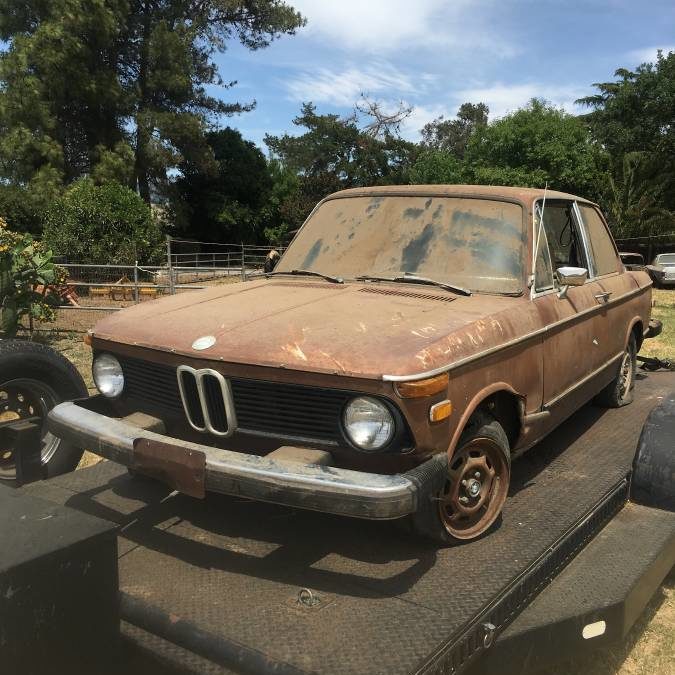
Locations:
column 650, row 646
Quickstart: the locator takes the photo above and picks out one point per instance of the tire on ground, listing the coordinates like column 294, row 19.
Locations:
column 20, row 359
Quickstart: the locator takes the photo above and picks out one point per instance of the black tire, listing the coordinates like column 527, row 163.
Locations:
column 429, row 522
column 33, row 379
column 619, row 391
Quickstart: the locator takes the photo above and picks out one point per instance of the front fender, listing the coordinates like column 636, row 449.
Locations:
column 475, row 403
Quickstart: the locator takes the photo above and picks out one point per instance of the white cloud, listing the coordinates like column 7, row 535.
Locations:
column 503, row 98
column 421, row 115
column 344, row 87
column 648, row 54
column 378, row 26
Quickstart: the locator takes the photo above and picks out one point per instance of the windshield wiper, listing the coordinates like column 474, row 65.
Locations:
column 414, row 279
column 310, row 273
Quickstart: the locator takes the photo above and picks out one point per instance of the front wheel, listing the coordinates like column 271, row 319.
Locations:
column 473, row 492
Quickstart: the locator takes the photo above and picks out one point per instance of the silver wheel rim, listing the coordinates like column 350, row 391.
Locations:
column 23, row 398
column 626, row 374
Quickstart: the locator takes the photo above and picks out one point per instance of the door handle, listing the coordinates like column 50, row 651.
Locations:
column 603, row 297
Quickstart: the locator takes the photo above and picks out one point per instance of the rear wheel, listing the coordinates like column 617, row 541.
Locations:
column 33, row 379
column 619, row 391
column 473, row 492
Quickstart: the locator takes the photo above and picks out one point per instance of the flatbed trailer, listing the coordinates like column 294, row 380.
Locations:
column 228, row 585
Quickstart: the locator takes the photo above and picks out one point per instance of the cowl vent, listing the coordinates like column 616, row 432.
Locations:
column 308, row 284
column 407, row 294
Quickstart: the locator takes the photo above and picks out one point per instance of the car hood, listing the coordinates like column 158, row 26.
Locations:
column 355, row 329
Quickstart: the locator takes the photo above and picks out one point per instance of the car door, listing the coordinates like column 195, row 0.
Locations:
column 611, row 283
column 570, row 346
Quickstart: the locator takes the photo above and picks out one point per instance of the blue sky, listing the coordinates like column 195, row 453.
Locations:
column 436, row 54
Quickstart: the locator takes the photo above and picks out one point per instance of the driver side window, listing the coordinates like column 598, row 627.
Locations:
column 560, row 242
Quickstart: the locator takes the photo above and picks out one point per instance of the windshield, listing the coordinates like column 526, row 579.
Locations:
column 667, row 259
column 475, row 243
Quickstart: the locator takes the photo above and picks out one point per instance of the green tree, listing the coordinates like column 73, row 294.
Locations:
column 452, row 136
column 283, row 210
column 636, row 113
column 167, row 65
column 437, row 167
column 535, row 145
column 635, row 201
column 84, row 84
column 336, row 153
column 102, row 224
column 225, row 205
column 60, row 94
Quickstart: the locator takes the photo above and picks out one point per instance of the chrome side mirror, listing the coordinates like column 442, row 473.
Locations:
column 570, row 276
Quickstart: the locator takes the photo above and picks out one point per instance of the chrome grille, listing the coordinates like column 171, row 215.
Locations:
column 273, row 409
column 207, row 400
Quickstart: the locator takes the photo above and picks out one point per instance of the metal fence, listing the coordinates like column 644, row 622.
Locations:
column 96, row 290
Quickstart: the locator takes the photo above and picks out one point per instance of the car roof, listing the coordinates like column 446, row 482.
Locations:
column 520, row 194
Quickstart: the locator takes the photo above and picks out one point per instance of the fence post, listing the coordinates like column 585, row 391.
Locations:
column 169, row 265
column 243, row 262
column 136, row 281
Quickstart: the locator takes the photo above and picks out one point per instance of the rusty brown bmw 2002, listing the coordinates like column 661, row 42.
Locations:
column 410, row 343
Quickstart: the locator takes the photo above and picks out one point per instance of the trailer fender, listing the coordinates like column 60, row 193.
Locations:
column 653, row 476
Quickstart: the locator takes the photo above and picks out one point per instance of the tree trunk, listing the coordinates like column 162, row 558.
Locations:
column 143, row 132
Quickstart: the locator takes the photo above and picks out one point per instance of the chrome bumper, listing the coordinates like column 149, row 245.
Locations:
column 310, row 486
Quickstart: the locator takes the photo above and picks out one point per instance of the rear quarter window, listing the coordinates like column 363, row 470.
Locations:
column 602, row 246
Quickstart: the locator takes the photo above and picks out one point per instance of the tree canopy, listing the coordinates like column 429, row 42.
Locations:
column 88, row 84
column 104, row 100
column 102, row 224
column 225, row 204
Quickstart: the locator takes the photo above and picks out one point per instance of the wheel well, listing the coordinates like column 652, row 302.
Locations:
column 505, row 408
column 637, row 330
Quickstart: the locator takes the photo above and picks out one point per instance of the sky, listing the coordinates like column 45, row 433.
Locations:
column 436, row 54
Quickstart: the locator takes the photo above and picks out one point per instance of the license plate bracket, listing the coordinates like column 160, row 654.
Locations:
column 183, row 469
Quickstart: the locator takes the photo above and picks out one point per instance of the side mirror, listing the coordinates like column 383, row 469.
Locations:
column 570, row 276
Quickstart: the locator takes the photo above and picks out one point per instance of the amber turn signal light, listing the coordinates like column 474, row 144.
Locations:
column 440, row 411
column 422, row 388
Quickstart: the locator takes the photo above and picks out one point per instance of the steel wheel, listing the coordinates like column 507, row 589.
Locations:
column 21, row 399
column 476, row 489
column 626, row 374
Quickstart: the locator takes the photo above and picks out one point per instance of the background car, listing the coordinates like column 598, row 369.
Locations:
column 662, row 270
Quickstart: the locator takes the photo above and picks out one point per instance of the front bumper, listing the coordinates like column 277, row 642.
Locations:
column 310, row 486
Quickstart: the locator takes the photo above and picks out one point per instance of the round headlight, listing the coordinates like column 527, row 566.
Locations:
column 108, row 375
column 368, row 423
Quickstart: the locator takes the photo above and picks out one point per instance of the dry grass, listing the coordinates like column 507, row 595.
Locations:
column 649, row 648
column 662, row 346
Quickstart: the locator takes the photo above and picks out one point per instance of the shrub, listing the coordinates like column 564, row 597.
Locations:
column 27, row 270
column 102, row 224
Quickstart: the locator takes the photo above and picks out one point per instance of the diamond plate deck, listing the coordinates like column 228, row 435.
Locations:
column 387, row 601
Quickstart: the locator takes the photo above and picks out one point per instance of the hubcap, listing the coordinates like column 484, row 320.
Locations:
column 476, row 488
column 25, row 398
